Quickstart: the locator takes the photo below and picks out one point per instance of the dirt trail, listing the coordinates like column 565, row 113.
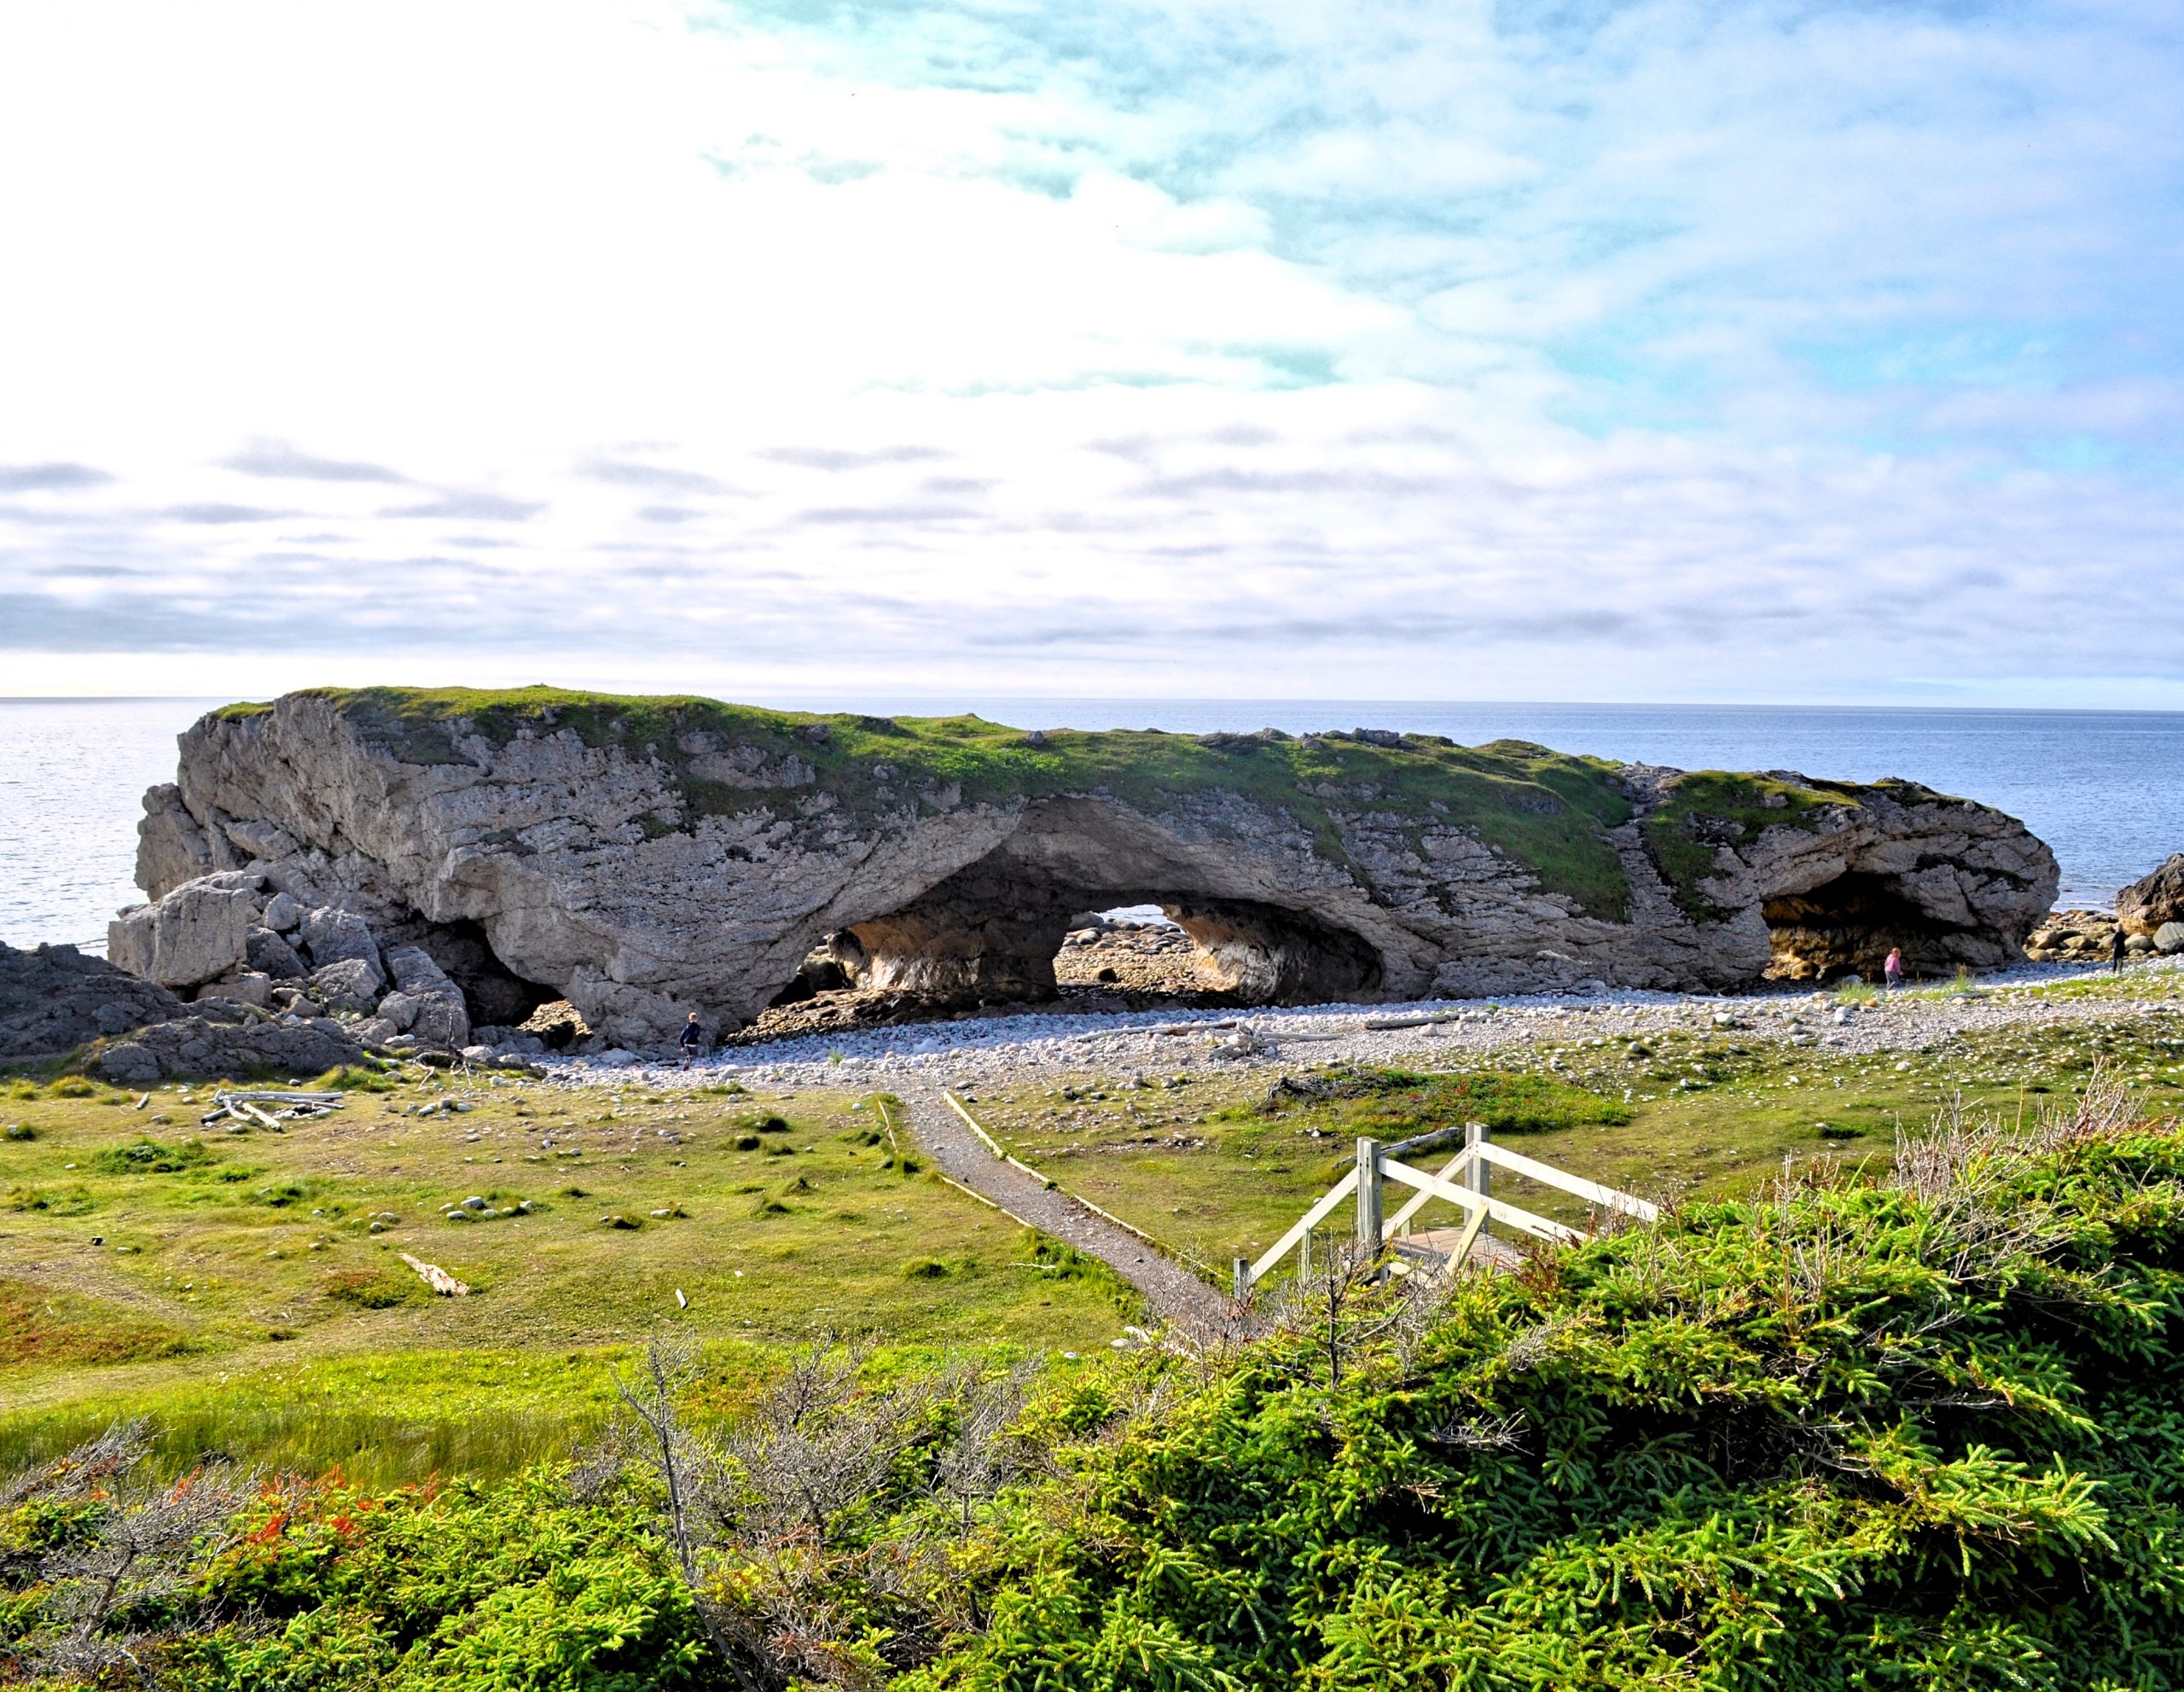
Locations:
column 1176, row 1296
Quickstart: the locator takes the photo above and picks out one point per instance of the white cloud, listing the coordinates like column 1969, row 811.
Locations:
column 1772, row 353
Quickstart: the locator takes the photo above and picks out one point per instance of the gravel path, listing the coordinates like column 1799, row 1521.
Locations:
column 1176, row 1295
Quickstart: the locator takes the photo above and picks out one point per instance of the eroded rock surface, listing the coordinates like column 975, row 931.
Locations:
column 200, row 1048
column 642, row 858
column 54, row 999
column 2149, row 903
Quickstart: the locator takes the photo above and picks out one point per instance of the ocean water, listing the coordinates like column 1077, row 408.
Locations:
column 72, row 775
column 2105, row 789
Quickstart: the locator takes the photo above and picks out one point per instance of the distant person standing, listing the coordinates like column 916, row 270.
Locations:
column 1891, row 972
column 2116, row 951
column 691, row 1039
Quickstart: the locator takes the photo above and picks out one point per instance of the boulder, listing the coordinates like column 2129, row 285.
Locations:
column 2169, row 939
column 197, row 932
column 353, row 984
column 247, row 986
column 2155, row 900
column 397, row 1012
column 645, row 859
column 129, row 1065
column 192, row 1048
column 414, row 970
column 267, row 952
column 333, row 936
column 54, row 999
column 426, row 1002
column 284, row 913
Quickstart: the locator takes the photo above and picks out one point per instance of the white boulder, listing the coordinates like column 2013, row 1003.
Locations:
column 198, row 932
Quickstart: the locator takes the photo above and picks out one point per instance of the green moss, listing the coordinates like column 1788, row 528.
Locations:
column 149, row 1157
column 1546, row 810
column 1708, row 809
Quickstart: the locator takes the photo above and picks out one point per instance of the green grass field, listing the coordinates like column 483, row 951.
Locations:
column 1210, row 1168
column 233, row 1284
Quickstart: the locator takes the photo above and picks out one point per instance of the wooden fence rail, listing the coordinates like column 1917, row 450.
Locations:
column 1465, row 1181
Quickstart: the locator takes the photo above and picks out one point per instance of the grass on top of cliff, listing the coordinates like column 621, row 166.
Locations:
column 1546, row 811
column 235, row 1281
column 1709, row 809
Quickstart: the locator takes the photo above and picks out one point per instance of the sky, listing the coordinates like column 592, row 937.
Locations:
column 1545, row 349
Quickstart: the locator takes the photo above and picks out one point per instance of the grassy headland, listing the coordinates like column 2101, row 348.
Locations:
column 1546, row 811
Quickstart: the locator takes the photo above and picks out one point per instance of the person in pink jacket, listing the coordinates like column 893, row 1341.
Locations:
column 1892, row 971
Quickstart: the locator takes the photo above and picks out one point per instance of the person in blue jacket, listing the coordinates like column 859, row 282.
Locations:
column 691, row 1039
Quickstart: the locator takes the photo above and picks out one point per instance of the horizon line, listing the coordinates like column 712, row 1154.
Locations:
column 1200, row 700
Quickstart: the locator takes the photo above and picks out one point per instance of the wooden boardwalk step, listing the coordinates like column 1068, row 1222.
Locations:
column 1432, row 1247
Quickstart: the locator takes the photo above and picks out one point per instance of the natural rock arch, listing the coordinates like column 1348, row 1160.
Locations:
column 991, row 929
column 648, row 857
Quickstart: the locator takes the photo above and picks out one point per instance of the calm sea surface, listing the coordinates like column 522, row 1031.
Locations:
column 2105, row 789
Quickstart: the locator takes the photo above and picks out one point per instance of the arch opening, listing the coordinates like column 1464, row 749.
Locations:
column 1005, row 935
column 1847, row 926
column 496, row 999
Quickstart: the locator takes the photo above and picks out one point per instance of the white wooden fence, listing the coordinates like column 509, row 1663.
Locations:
column 1465, row 1181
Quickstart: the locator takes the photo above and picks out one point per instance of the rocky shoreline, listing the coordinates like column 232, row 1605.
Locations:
column 477, row 879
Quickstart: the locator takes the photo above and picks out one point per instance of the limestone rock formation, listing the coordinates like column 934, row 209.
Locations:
column 2146, row 905
column 54, row 999
column 644, row 858
column 214, row 935
column 198, row 932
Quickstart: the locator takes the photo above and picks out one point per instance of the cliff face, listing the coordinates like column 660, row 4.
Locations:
column 647, row 856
